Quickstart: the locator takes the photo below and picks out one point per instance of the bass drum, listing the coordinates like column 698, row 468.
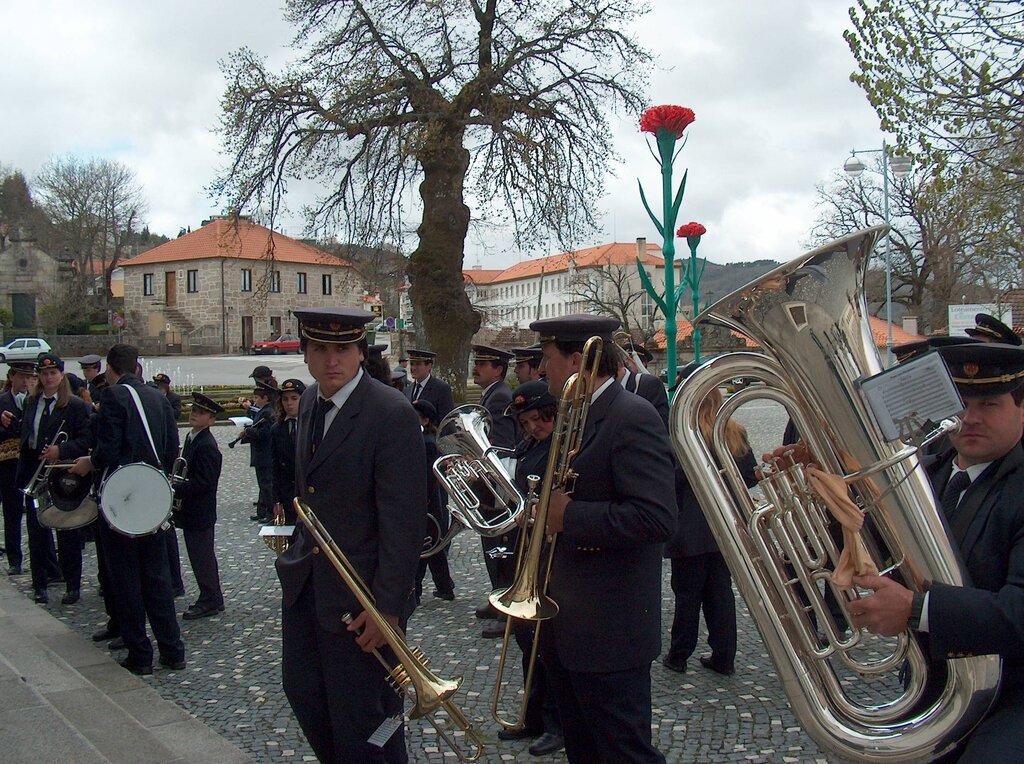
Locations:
column 136, row 499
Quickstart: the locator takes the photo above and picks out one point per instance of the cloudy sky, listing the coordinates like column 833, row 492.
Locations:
column 140, row 83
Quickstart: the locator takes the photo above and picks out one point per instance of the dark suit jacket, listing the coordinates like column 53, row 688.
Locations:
column 73, row 419
column 120, row 436
column 437, row 391
column 199, row 493
column 504, row 429
column 988, row 529
column 367, row 485
column 258, row 436
column 175, row 400
column 649, row 387
column 606, row 577
column 282, row 447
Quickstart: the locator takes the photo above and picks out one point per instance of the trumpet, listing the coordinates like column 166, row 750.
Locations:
column 527, row 598
column 179, row 476
column 412, row 676
column 36, row 486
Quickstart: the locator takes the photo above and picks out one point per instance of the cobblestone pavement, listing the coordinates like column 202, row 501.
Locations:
column 233, row 680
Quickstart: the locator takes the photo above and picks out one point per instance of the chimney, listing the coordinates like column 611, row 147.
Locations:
column 641, row 248
column 910, row 324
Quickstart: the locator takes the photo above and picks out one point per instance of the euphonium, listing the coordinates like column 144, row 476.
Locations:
column 527, row 598
column 483, row 497
column 809, row 317
column 412, row 676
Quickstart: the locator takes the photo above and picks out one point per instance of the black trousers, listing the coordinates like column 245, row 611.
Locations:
column 47, row 561
column 14, row 507
column 541, row 707
column 606, row 717
column 703, row 581
column 265, row 500
column 203, row 559
column 106, row 586
column 500, row 559
column 998, row 737
column 173, row 560
column 338, row 693
column 141, row 588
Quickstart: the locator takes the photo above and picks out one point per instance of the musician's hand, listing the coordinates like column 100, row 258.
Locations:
column 556, row 512
column 887, row 611
column 6, row 418
column 83, row 466
column 245, row 403
column 798, row 452
column 371, row 637
column 278, row 511
column 50, row 454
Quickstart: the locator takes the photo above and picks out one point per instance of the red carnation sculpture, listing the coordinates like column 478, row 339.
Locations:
column 674, row 119
column 691, row 230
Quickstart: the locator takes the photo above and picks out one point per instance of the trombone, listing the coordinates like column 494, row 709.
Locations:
column 411, row 677
column 527, row 598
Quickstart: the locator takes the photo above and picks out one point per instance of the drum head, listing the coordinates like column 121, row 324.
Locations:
column 136, row 499
column 52, row 516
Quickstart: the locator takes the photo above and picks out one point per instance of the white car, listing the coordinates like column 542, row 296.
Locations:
column 25, row 349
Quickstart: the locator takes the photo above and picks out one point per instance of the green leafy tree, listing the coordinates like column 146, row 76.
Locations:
column 498, row 102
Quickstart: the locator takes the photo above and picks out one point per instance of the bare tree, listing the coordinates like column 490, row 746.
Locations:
column 96, row 207
column 612, row 290
column 503, row 101
column 946, row 238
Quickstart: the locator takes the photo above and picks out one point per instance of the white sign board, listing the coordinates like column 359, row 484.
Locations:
column 961, row 317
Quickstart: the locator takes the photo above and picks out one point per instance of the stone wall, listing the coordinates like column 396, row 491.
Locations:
column 26, row 269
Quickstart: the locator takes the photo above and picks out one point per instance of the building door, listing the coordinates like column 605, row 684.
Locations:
column 24, row 308
column 171, row 287
column 246, row 333
column 275, row 326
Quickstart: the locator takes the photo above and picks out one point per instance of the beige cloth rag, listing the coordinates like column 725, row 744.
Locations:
column 854, row 560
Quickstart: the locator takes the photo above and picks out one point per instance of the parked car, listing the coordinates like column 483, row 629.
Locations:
column 286, row 343
column 25, row 349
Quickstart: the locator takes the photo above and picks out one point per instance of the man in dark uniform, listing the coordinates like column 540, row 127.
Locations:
column 527, row 363
column 990, row 329
column 360, row 466
column 163, row 384
column 198, row 513
column 137, row 568
column 258, row 436
column 20, row 375
column 490, row 366
column 647, row 386
column 427, row 387
column 606, row 573
column 980, row 481
column 282, row 448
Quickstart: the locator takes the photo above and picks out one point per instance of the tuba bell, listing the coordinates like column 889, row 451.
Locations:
column 809, row 316
column 482, row 495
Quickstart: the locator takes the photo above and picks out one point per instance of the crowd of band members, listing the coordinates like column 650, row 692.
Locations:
column 348, row 441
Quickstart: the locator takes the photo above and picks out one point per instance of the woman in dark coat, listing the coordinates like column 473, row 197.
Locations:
column 700, row 576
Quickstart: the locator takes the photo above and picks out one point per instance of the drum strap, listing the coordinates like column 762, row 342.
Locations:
column 145, row 424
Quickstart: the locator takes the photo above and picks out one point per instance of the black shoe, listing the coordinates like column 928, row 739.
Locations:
column 116, row 644
column 137, row 670
column 179, row 592
column 104, row 634
column 173, row 665
column 674, row 665
column 494, row 631
column 196, row 611
column 54, row 581
column 547, row 743
column 14, row 570
column 71, row 596
column 41, row 596
column 450, row 596
column 708, row 662
column 486, row 611
column 521, row 734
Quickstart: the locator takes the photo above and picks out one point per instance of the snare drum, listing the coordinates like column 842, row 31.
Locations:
column 136, row 499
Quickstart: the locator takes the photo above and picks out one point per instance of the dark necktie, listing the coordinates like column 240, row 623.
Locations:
column 951, row 494
column 318, row 423
column 291, row 429
column 44, row 420
column 416, row 391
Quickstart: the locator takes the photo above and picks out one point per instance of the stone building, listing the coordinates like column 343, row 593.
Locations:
column 229, row 283
column 29, row 278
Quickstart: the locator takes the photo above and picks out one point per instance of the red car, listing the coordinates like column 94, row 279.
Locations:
column 286, row 343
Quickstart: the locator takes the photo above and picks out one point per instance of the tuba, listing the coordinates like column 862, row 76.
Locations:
column 483, row 497
column 809, row 317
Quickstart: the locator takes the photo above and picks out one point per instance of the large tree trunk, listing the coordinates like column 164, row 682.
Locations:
column 438, row 294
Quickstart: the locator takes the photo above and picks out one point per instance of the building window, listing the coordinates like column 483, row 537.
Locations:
column 325, row 283
column 246, row 280
column 192, row 281
column 275, row 281
column 147, row 284
column 300, row 283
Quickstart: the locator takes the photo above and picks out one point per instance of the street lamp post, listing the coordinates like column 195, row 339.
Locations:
column 900, row 166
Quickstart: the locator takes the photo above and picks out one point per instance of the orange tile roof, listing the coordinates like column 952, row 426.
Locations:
column 222, row 238
column 879, row 329
column 480, row 276
column 617, row 253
